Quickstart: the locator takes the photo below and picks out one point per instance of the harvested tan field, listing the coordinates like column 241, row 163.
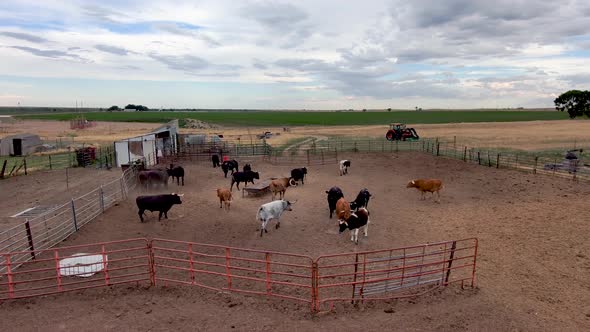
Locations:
column 102, row 133
column 533, row 135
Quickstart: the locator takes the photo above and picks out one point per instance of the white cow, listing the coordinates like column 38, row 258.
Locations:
column 272, row 210
column 344, row 165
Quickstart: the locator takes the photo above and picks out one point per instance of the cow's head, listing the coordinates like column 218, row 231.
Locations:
column 176, row 198
column 304, row 170
column 288, row 205
column 343, row 225
column 353, row 205
column 411, row 184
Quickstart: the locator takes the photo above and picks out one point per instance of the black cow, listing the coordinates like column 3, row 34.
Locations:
column 334, row 194
column 362, row 200
column 299, row 174
column 354, row 222
column 245, row 177
column 152, row 178
column 176, row 172
column 247, row 167
column 160, row 203
column 215, row 160
column 229, row 165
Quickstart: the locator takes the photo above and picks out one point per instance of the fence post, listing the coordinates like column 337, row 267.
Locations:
column 314, row 287
column 465, row 154
column 74, row 215
column 25, row 164
column 478, row 158
column 105, row 266
column 397, row 145
column 356, row 265
column 50, row 165
column 355, row 149
column 498, row 161
column 3, row 168
column 423, row 143
column 57, row 270
column 489, row 161
column 516, row 161
column 9, row 276
column 535, row 169
column 336, row 152
column 307, row 151
column 101, row 198
column 30, row 238
column 437, row 149
column 451, row 256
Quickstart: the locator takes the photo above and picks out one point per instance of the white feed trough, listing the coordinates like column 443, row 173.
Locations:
column 82, row 265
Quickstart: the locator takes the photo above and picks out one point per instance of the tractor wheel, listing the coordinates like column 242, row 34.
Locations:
column 390, row 135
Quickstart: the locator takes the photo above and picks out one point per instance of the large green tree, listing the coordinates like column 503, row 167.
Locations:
column 575, row 102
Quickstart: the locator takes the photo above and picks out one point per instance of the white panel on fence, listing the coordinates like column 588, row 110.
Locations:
column 122, row 153
column 82, row 265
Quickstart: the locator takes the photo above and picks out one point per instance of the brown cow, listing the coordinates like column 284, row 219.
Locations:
column 280, row 186
column 342, row 209
column 427, row 185
column 225, row 198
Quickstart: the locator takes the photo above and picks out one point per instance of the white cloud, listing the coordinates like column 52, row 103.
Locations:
column 381, row 53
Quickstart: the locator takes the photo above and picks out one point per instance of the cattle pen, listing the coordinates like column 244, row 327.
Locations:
column 200, row 248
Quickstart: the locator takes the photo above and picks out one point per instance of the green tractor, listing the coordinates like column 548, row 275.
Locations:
column 399, row 132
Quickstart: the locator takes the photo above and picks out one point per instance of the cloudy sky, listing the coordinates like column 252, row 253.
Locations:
column 312, row 54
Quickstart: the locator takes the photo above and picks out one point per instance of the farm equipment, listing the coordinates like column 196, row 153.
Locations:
column 572, row 162
column 265, row 135
column 399, row 132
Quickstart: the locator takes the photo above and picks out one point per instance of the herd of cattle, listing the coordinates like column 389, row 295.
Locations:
column 351, row 215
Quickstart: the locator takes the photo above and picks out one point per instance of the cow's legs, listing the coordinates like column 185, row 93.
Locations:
column 278, row 224
column 160, row 215
column 166, row 214
column 263, row 227
column 367, row 228
column 141, row 211
column 220, row 203
column 438, row 196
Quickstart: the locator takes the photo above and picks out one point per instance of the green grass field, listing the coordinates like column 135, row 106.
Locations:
column 314, row 118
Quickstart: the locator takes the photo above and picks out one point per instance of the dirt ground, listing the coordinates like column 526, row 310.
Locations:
column 528, row 135
column 102, row 133
column 47, row 188
column 533, row 263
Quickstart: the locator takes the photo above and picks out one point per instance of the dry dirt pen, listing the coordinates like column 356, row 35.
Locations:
column 532, row 260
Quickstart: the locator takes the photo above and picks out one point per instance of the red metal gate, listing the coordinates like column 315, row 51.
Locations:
column 119, row 262
column 272, row 274
column 363, row 276
column 393, row 273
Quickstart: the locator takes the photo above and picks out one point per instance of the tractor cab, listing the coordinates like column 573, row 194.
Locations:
column 399, row 132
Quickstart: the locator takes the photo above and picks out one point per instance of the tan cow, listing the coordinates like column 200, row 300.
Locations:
column 427, row 185
column 342, row 209
column 225, row 198
column 280, row 186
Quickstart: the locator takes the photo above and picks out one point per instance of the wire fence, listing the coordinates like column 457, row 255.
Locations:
column 51, row 228
column 13, row 166
column 330, row 150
